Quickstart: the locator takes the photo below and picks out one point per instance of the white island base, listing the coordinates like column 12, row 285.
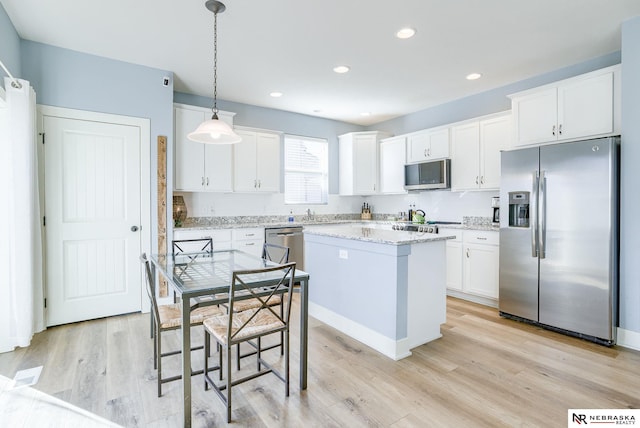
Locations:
column 387, row 289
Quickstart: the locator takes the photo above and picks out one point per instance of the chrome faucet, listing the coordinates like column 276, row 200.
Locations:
column 309, row 214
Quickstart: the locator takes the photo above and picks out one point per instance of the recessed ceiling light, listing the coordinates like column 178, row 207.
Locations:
column 276, row 94
column 406, row 33
column 341, row 69
column 365, row 113
column 474, row 76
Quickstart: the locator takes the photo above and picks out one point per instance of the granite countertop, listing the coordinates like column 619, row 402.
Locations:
column 203, row 223
column 368, row 234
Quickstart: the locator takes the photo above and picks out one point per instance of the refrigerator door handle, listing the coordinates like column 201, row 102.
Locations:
column 543, row 214
column 533, row 212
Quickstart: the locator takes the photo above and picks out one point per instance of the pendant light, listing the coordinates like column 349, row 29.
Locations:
column 214, row 131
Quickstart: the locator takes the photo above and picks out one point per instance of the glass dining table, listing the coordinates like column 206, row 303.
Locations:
column 202, row 279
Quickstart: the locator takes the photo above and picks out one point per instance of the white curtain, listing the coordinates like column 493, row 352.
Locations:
column 21, row 267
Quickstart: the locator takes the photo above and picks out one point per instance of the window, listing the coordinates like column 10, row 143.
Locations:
column 306, row 167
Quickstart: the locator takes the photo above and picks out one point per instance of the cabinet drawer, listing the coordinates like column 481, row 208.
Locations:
column 250, row 233
column 481, row 237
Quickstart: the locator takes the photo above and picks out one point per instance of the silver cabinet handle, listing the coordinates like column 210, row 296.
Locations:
column 482, row 179
column 477, row 180
column 429, row 151
column 255, row 184
column 259, row 184
column 250, row 244
column 467, row 253
column 207, row 181
column 250, row 234
column 203, row 181
column 480, row 238
column 553, row 130
column 560, row 129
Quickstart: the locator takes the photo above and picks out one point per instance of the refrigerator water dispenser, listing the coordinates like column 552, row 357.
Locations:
column 518, row 209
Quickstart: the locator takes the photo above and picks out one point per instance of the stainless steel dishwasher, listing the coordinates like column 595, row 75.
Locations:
column 290, row 237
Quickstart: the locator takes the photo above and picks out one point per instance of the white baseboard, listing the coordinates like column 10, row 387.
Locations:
column 393, row 349
column 628, row 339
column 487, row 301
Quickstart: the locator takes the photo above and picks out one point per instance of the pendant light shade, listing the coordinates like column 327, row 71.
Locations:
column 214, row 131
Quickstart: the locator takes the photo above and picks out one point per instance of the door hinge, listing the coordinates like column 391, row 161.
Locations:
column 45, row 302
column 44, row 220
column 43, row 134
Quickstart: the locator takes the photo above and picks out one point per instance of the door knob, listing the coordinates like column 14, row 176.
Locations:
column 134, row 228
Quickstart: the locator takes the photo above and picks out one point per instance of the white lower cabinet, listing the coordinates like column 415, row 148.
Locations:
column 249, row 240
column 473, row 265
column 454, row 259
column 221, row 237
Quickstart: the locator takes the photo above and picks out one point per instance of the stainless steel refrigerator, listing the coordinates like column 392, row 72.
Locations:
column 559, row 237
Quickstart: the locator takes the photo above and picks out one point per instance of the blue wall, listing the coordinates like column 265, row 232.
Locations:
column 69, row 79
column 9, row 46
column 630, row 178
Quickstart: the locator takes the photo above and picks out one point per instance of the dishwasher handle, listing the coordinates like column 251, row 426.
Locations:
column 289, row 234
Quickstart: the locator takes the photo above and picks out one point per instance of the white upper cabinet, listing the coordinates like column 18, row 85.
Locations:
column 200, row 167
column 475, row 152
column 581, row 107
column 256, row 162
column 393, row 153
column 495, row 136
column 430, row 144
column 358, row 162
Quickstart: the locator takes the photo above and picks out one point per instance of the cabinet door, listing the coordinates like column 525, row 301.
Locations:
column 218, row 169
column 438, row 144
column 244, row 163
column 535, row 117
column 268, row 162
column 465, row 148
column 454, row 265
column 481, row 270
column 585, row 107
column 189, row 155
column 418, row 146
column 495, row 135
column 365, row 160
column 393, row 153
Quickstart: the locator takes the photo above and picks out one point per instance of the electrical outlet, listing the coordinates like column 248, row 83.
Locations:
column 343, row 254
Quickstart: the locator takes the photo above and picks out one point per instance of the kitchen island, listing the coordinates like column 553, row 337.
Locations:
column 385, row 288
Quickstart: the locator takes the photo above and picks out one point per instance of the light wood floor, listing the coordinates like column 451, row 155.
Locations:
column 484, row 372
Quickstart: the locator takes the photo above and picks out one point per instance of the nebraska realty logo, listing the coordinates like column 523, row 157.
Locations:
column 599, row 417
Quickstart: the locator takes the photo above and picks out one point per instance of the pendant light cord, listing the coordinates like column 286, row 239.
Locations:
column 215, row 66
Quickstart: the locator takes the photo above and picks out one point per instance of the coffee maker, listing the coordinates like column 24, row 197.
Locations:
column 495, row 205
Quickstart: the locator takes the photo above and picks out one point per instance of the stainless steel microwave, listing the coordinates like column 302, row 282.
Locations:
column 428, row 175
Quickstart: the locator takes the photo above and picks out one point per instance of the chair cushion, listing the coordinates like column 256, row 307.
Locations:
column 245, row 305
column 263, row 323
column 171, row 315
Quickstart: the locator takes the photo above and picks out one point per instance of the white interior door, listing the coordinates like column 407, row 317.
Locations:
column 93, row 219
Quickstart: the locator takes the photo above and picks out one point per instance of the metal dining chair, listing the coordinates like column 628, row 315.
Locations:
column 169, row 317
column 179, row 246
column 274, row 253
column 234, row 327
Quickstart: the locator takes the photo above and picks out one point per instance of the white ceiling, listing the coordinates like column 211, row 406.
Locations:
column 292, row 46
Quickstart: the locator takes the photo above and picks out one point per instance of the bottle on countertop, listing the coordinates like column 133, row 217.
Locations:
column 291, row 216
